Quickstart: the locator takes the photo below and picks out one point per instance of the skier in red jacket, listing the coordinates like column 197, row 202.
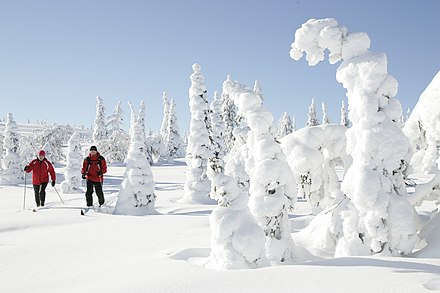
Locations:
column 41, row 168
column 93, row 169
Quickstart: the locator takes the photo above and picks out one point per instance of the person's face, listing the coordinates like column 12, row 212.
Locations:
column 93, row 152
column 40, row 157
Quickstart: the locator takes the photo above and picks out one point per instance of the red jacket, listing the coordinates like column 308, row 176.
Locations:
column 91, row 166
column 40, row 171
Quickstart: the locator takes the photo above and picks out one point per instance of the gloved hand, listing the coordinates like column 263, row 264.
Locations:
column 53, row 183
column 99, row 173
column 83, row 176
column 26, row 168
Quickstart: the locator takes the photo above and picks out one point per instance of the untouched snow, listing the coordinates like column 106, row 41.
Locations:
column 57, row 250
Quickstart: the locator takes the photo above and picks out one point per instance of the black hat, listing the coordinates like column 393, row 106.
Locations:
column 93, row 148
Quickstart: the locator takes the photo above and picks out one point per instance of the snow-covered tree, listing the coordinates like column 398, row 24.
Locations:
column 229, row 114
column 237, row 241
column 173, row 139
column 216, row 161
column 238, row 158
column 408, row 114
column 381, row 219
column 10, row 163
column 312, row 154
column 27, row 149
column 285, row 125
column 116, row 119
column 423, row 129
column 51, row 139
column 141, row 119
column 100, row 130
column 166, row 118
column 344, row 115
column 233, row 228
column 312, row 119
column 115, row 147
column 198, row 186
column 325, row 119
column 293, row 124
column 272, row 192
column 136, row 194
column 72, row 171
column 258, row 90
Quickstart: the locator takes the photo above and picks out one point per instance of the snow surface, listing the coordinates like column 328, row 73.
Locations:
column 57, row 250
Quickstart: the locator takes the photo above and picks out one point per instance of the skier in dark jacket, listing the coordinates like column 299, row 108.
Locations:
column 93, row 169
column 41, row 168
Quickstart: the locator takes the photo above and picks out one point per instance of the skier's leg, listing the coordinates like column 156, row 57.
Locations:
column 99, row 192
column 37, row 194
column 89, row 198
column 43, row 193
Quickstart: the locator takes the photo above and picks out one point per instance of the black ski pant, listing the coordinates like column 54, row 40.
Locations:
column 98, row 190
column 40, row 193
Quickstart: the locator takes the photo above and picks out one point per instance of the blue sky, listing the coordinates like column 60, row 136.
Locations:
column 57, row 56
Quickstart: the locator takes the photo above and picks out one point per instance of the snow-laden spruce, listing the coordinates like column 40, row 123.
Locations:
column 285, row 125
column 423, row 129
column 141, row 119
column 173, row 139
column 198, row 186
column 237, row 241
column 216, row 162
column 344, row 115
column 52, row 139
column 115, row 147
column 238, row 156
column 312, row 154
column 312, row 119
column 11, row 171
column 325, row 119
column 100, row 126
column 136, row 194
column 229, row 114
column 382, row 220
column 272, row 190
column 72, row 171
column 165, row 118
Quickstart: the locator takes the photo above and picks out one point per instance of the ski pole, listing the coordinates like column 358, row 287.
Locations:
column 58, row 194
column 24, row 196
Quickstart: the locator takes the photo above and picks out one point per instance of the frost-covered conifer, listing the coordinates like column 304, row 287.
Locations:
column 115, row 147
column 216, row 160
column 198, row 186
column 166, row 118
column 325, row 119
column 52, row 139
column 27, row 149
column 136, row 194
column 423, row 129
column 285, row 125
column 10, row 163
column 344, row 115
column 382, row 220
column 100, row 130
column 258, row 90
column 272, row 192
column 293, row 124
column 237, row 242
column 141, row 119
column 312, row 119
column 116, row 119
column 72, row 171
column 173, row 140
column 229, row 114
